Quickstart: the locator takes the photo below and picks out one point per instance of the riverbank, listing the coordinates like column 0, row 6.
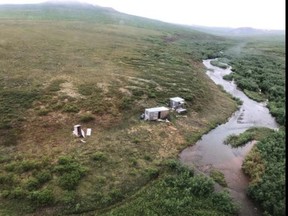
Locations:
column 211, row 152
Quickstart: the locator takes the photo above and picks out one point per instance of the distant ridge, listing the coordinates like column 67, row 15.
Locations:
column 253, row 31
column 242, row 31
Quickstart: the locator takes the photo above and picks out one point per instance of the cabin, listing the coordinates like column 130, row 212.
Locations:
column 156, row 113
column 177, row 103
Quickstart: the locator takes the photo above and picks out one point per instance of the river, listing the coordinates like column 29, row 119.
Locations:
column 211, row 152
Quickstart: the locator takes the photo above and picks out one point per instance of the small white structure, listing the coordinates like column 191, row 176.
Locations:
column 88, row 132
column 156, row 113
column 78, row 131
column 176, row 102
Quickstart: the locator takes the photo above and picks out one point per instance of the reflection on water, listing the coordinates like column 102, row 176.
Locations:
column 211, row 152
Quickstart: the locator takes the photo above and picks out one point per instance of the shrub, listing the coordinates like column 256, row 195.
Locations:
column 55, row 85
column 32, row 184
column 99, row 156
column 28, row 165
column 147, row 157
column 7, row 179
column 218, row 177
column 68, row 198
column 43, row 197
column 240, row 140
column 71, row 108
column 201, row 186
column 17, row 193
column 43, row 112
column 223, row 202
column 44, row 176
column 152, row 173
column 87, row 118
column 71, row 173
column 69, row 181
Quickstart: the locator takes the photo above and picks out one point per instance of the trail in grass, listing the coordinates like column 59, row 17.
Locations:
column 211, row 152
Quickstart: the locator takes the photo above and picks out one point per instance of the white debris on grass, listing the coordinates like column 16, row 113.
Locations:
column 88, row 132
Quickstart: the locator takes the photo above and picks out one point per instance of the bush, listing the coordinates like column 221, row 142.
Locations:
column 228, row 77
column 71, row 108
column 28, row 165
column 87, row 118
column 240, row 140
column 17, row 193
column 99, row 156
column 7, row 179
column 69, row 181
column 43, row 197
column 71, row 173
column 32, row 184
column 201, row 186
column 152, row 173
column 218, row 177
column 147, row 157
column 43, row 177
column 223, row 202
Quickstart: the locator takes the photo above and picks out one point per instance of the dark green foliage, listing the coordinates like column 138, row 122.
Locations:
column 236, row 141
column 179, row 194
column 71, row 108
column 16, row 193
column 219, row 64
column 32, row 184
column 218, row 177
column 247, row 84
column 270, row 190
column 256, row 133
column 55, row 85
column 70, row 173
column 7, row 180
column 69, row 181
column 152, row 173
column 147, row 157
column 87, row 118
column 99, row 156
column 13, row 103
column 43, row 176
column 224, row 202
column 88, row 89
column 238, row 101
column 262, row 72
column 228, row 77
column 43, row 197
column 23, row 166
column 126, row 103
column 27, row 165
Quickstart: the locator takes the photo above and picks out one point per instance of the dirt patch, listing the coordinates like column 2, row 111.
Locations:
column 104, row 87
column 69, row 89
column 125, row 91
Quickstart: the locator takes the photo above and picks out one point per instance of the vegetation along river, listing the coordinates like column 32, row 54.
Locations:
column 211, row 152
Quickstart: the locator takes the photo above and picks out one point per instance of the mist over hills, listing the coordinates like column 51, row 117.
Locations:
column 242, row 31
column 220, row 31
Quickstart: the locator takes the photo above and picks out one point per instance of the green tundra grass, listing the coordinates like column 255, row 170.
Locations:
column 64, row 65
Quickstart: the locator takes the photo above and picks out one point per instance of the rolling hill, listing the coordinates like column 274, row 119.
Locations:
column 63, row 65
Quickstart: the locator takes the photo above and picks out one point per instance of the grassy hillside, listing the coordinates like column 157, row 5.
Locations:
column 64, row 65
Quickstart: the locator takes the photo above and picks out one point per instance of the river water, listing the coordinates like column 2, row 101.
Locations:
column 211, row 152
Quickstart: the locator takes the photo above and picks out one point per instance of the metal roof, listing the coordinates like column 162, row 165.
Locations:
column 157, row 109
column 177, row 99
